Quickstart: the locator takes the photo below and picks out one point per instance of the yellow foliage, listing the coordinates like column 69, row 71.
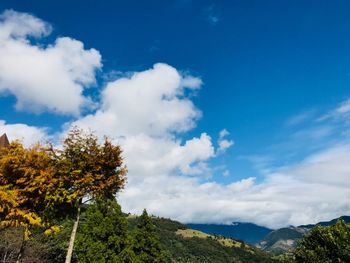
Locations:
column 39, row 183
column 52, row 230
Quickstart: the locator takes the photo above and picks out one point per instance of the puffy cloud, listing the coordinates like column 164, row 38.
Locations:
column 42, row 78
column 27, row 134
column 21, row 25
column 147, row 155
column 149, row 102
column 314, row 190
column 146, row 113
column 224, row 144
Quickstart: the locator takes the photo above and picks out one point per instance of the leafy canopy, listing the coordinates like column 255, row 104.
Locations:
column 103, row 236
column 40, row 184
column 325, row 244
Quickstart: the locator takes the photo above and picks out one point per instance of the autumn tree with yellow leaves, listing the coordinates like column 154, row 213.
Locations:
column 24, row 174
column 42, row 183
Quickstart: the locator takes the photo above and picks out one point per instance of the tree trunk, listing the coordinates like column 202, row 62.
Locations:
column 72, row 236
column 21, row 249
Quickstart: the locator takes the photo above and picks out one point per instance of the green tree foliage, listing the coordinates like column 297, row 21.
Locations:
column 146, row 243
column 200, row 250
column 325, row 244
column 103, row 235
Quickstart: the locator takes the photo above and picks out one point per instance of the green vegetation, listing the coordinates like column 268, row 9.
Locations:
column 200, row 247
column 325, row 244
column 145, row 241
column 322, row 245
column 103, row 236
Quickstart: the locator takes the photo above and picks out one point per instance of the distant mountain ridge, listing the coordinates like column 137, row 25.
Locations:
column 328, row 223
column 277, row 241
column 284, row 239
column 248, row 232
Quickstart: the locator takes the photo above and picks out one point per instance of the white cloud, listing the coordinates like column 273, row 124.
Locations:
column 340, row 112
column 309, row 192
column 300, row 118
column 21, row 25
column 223, row 133
column 27, row 134
column 344, row 107
column 44, row 78
column 144, row 112
column 149, row 102
column 191, row 82
column 224, row 144
column 147, row 113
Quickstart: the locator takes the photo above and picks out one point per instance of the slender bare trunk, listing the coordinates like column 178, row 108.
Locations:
column 72, row 237
column 21, row 249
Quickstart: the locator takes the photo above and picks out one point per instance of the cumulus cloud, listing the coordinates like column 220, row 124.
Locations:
column 27, row 134
column 314, row 190
column 149, row 102
column 147, row 112
column 44, row 78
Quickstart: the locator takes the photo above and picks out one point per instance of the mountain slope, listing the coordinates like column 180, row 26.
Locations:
column 285, row 239
column 188, row 245
column 282, row 240
column 328, row 223
column 248, row 232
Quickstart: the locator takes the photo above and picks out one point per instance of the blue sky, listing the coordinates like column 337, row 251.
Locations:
column 275, row 74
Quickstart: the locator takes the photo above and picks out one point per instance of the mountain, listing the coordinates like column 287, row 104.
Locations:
column 284, row 239
column 188, row 245
column 248, row 232
column 328, row 223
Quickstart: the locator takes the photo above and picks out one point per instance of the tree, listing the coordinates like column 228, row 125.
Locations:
column 88, row 169
column 325, row 244
column 146, row 244
column 41, row 184
column 103, row 237
column 24, row 178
